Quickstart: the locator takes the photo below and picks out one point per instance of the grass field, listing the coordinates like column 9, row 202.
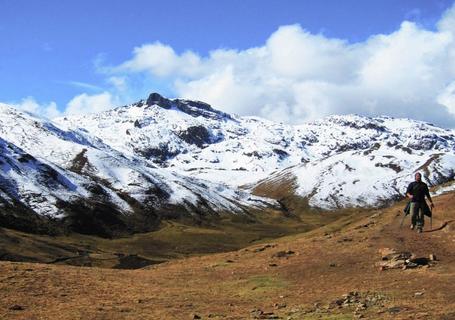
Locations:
column 328, row 272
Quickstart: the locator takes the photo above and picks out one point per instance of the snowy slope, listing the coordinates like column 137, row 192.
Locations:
column 48, row 169
column 369, row 162
column 338, row 161
column 165, row 157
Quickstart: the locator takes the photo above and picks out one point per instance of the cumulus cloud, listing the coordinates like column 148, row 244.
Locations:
column 161, row 60
column 29, row 104
column 297, row 76
column 81, row 104
column 85, row 103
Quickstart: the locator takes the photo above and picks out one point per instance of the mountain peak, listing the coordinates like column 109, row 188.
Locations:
column 191, row 107
column 157, row 99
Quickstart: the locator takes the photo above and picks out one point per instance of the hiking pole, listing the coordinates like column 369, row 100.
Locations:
column 402, row 220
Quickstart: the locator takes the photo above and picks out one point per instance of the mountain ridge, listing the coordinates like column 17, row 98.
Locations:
column 109, row 189
column 228, row 151
column 164, row 157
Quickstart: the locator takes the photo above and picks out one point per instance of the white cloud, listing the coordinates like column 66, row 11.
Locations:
column 297, row 76
column 80, row 104
column 119, row 83
column 85, row 103
column 85, row 85
column 161, row 60
column 29, row 104
column 447, row 98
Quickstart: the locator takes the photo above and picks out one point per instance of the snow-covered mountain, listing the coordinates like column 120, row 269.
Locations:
column 339, row 161
column 70, row 174
column 161, row 157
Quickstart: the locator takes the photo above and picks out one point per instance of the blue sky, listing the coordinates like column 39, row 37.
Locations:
column 54, row 51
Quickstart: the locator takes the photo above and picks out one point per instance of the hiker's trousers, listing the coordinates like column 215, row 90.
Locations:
column 417, row 214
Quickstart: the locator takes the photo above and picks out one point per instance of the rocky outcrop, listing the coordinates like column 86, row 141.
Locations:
column 196, row 135
column 393, row 259
column 193, row 108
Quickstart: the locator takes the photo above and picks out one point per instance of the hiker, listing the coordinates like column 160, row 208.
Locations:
column 417, row 191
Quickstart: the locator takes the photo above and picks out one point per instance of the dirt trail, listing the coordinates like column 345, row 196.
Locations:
column 328, row 273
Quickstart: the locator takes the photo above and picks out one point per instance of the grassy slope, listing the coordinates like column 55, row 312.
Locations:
column 327, row 262
column 174, row 239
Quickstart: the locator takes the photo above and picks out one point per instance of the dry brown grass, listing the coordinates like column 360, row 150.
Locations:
column 327, row 263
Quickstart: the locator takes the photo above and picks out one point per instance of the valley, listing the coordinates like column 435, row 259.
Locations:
column 331, row 272
column 171, row 209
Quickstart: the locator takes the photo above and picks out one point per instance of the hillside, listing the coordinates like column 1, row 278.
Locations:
column 332, row 272
column 52, row 180
column 128, row 169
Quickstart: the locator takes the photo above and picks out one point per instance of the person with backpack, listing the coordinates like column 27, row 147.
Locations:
column 416, row 192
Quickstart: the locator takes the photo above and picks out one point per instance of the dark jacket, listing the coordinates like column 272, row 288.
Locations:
column 419, row 191
column 426, row 209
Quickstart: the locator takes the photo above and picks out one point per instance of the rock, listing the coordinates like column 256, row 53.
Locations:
column 283, row 254
column 196, row 135
column 400, row 256
column 281, row 153
column 256, row 313
column 392, row 259
column 395, row 264
column 419, row 294
column 359, row 301
column 273, row 265
column 158, row 154
column 409, row 264
column 268, row 315
column 156, row 98
column 338, row 302
column 264, row 247
column 279, row 305
column 361, row 306
column 16, row 307
column 394, row 310
column 195, row 316
column 432, row 257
